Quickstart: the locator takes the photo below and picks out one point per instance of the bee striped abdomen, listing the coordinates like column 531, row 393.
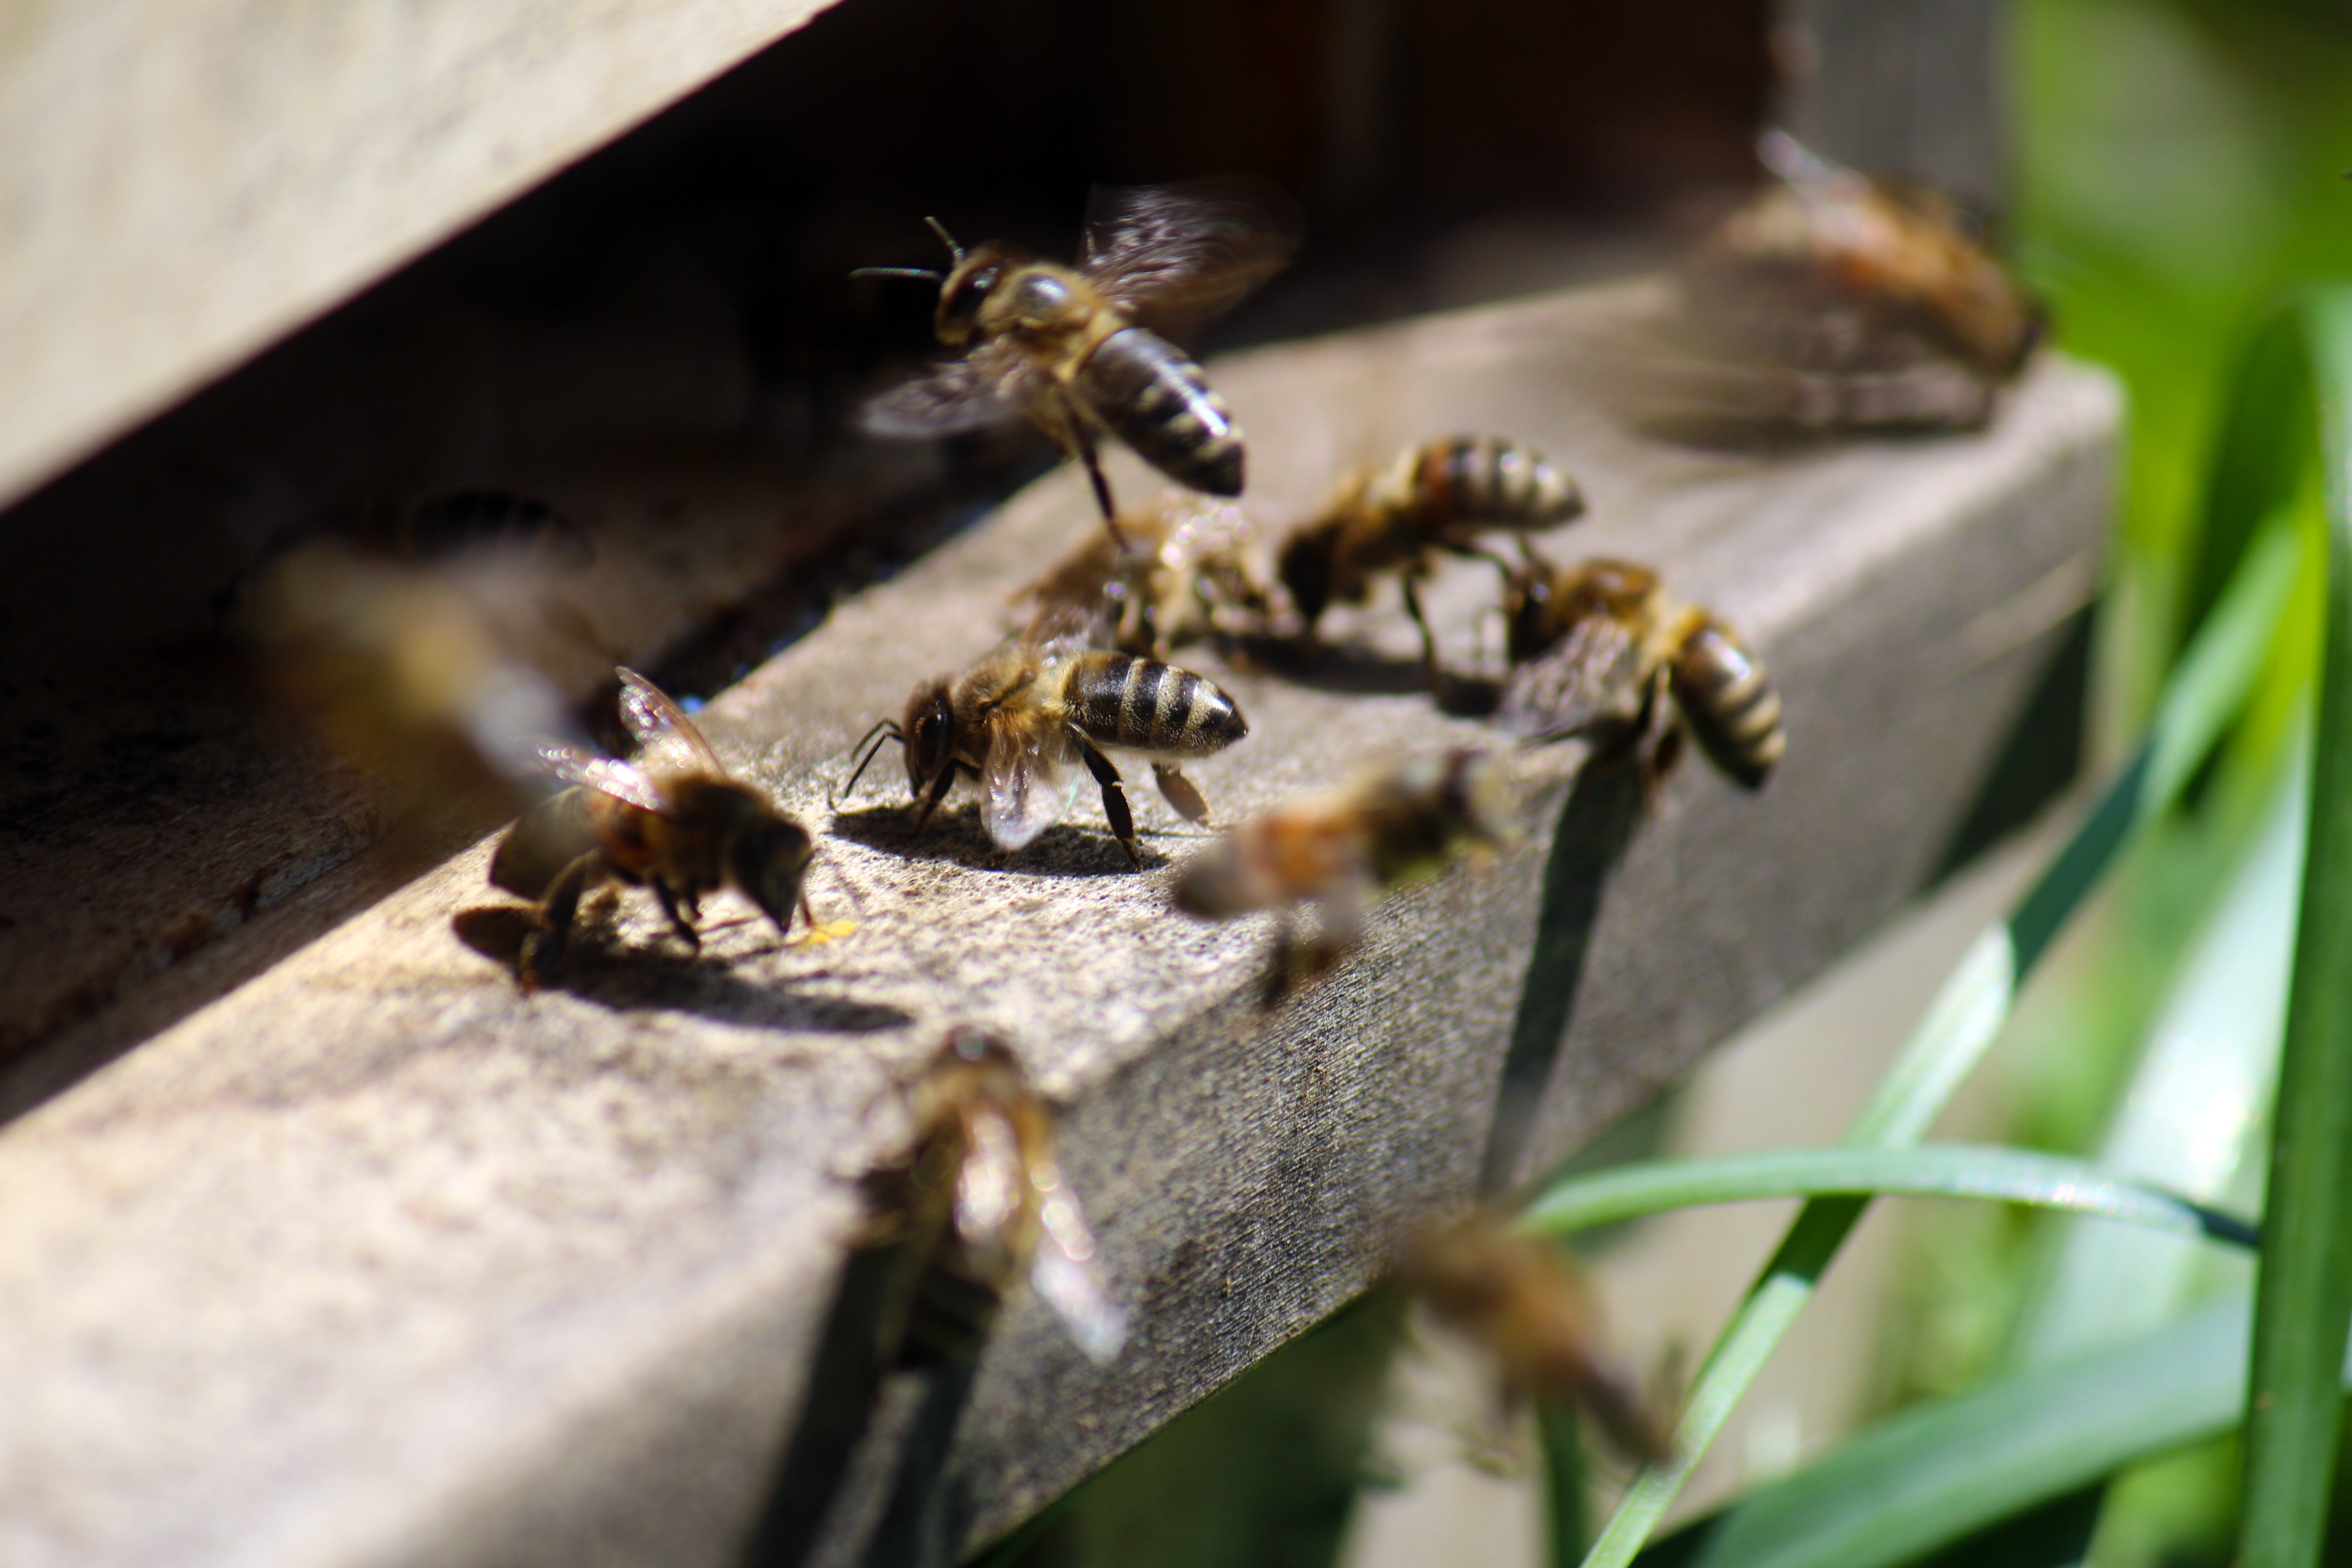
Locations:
column 1143, row 705
column 1154, row 398
column 1480, row 481
column 1733, row 711
column 462, row 520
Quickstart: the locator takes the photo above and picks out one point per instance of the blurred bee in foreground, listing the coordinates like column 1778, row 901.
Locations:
column 1597, row 649
column 1835, row 301
column 1184, row 577
column 673, row 819
column 1440, row 495
column 1021, row 720
column 978, row 1202
column 413, row 676
column 1338, row 850
column 1521, row 1299
column 1081, row 349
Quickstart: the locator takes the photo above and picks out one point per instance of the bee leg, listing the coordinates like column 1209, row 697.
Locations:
column 1661, row 745
column 1083, row 443
column 1180, row 793
column 669, row 904
column 542, row 949
column 1428, row 638
column 1114, row 793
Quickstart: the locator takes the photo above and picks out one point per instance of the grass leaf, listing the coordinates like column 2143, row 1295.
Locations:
column 2205, row 692
column 1941, row 1171
column 2303, row 1296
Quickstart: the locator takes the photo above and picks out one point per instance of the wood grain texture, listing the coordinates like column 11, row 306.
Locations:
column 184, row 180
column 376, row 1260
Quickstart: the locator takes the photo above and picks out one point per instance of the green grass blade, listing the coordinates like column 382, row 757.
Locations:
column 2205, row 693
column 1940, row 1472
column 2303, row 1296
column 1937, row 1171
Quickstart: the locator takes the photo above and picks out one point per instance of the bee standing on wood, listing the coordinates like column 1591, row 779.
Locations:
column 1835, row 301
column 1185, row 576
column 1081, row 350
column 1520, row 1300
column 1440, row 495
column 1597, row 650
column 673, row 819
column 1338, row 850
column 978, row 1202
column 1021, row 720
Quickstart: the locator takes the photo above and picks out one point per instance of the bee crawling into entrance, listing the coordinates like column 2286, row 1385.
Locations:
column 1080, row 350
column 1598, row 649
column 1338, row 851
column 1438, row 496
column 1021, row 720
column 978, row 1202
column 673, row 819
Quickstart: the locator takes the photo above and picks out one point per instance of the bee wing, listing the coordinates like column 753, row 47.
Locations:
column 1027, row 782
column 1174, row 255
column 607, row 775
column 1061, row 1270
column 668, row 740
column 1592, row 675
column 987, row 387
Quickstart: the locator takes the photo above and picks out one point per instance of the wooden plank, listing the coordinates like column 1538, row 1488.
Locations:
column 375, row 1259
column 186, row 181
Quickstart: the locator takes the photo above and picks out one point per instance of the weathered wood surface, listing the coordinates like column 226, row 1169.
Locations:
column 376, row 1260
column 183, row 181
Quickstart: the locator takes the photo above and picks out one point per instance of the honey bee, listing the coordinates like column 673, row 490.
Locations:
column 1520, row 1300
column 672, row 819
column 1598, row 648
column 1020, row 719
column 412, row 675
column 978, row 1202
column 1833, row 299
column 464, row 523
column 1338, row 850
column 1185, row 576
column 1440, row 495
column 1081, row 350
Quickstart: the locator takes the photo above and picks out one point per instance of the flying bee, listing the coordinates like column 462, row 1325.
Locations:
column 1835, row 300
column 1082, row 349
column 465, row 523
column 1338, row 850
column 978, row 1202
column 1520, row 1300
column 1438, row 496
column 673, row 819
column 1596, row 650
column 1185, row 576
column 1021, row 720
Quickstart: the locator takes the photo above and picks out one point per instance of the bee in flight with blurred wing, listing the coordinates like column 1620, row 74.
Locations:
column 673, row 818
column 1338, row 850
column 1022, row 720
column 1084, row 349
column 1185, row 577
column 978, row 1202
column 1600, row 650
column 1436, row 496
column 1521, row 1299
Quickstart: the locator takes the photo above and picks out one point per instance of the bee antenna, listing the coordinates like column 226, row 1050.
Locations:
column 925, row 273
column 942, row 230
column 883, row 730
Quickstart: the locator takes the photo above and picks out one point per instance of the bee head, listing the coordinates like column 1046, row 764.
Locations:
column 928, row 730
column 768, row 863
column 967, row 289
